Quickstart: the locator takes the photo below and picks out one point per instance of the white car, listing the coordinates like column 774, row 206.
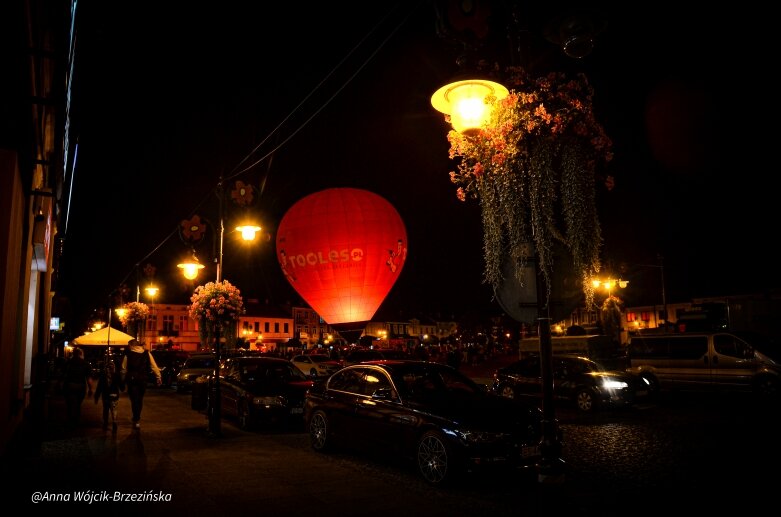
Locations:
column 316, row 365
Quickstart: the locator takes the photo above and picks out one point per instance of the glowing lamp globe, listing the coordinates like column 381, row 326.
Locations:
column 465, row 102
column 190, row 267
column 248, row 232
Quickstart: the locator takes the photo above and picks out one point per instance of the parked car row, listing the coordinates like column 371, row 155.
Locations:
column 437, row 418
column 674, row 361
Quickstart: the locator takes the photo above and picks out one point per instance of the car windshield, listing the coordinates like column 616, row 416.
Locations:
column 265, row 372
column 576, row 367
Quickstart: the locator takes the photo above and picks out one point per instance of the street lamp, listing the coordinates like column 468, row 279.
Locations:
column 193, row 230
column 609, row 284
column 151, row 291
column 660, row 266
column 538, row 125
column 190, row 267
column 466, row 102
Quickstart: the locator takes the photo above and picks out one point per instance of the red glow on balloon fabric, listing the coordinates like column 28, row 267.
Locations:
column 342, row 249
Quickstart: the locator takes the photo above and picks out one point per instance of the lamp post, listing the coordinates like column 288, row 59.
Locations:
column 193, row 230
column 151, row 292
column 466, row 102
column 552, row 153
column 660, row 266
column 611, row 310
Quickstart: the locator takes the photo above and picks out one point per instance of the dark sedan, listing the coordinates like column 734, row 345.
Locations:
column 262, row 391
column 576, row 379
column 427, row 412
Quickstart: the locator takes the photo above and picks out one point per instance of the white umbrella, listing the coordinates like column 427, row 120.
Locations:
column 106, row 336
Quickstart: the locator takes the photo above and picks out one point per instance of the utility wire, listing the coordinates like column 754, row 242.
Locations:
column 234, row 173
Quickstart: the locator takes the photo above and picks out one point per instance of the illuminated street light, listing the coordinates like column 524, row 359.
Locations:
column 120, row 312
column 193, row 231
column 467, row 102
column 190, row 267
column 609, row 284
column 248, row 232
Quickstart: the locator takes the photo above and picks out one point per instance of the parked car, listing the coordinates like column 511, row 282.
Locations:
column 360, row 355
column 576, row 379
column 261, row 391
column 704, row 361
column 427, row 412
column 316, row 365
column 195, row 366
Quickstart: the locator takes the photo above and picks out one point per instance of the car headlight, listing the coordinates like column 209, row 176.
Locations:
column 269, row 401
column 613, row 384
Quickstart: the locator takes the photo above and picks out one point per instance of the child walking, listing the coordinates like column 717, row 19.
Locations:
column 107, row 390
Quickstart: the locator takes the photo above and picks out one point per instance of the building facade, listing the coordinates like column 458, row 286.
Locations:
column 35, row 45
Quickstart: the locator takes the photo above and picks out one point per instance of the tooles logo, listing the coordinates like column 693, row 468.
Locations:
column 319, row 258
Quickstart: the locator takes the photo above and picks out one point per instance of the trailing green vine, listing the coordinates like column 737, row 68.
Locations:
column 533, row 168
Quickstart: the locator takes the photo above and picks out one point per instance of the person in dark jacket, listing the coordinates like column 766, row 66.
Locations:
column 137, row 365
column 107, row 391
column 76, row 385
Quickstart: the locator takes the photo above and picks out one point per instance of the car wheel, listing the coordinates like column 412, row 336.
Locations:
column 507, row 391
column 585, row 401
column 319, row 432
column 435, row 463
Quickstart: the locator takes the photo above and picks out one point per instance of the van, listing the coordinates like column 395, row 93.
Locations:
column 702, row 361
column 596, row 347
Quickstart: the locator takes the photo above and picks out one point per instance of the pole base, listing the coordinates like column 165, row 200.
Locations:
column 551, row 471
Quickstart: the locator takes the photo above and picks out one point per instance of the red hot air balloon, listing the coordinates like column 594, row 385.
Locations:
column 342, row 249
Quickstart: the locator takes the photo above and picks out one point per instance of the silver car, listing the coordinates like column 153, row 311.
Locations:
column 316, row 365
column 195, row 366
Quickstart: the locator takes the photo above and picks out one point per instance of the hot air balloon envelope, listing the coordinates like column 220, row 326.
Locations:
column 342, row 249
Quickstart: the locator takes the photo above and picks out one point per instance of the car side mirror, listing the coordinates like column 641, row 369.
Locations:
column 383, row 394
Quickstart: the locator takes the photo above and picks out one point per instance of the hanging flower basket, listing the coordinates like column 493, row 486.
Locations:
column 132, row 316
column 133, row 313
column 533, row 169
column 216, row 305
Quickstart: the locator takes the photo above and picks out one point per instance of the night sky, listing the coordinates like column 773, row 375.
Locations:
column 329, row 95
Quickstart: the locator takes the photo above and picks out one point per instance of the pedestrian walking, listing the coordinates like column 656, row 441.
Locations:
column 107, row 391
column 137, row 365
column 76, row 385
